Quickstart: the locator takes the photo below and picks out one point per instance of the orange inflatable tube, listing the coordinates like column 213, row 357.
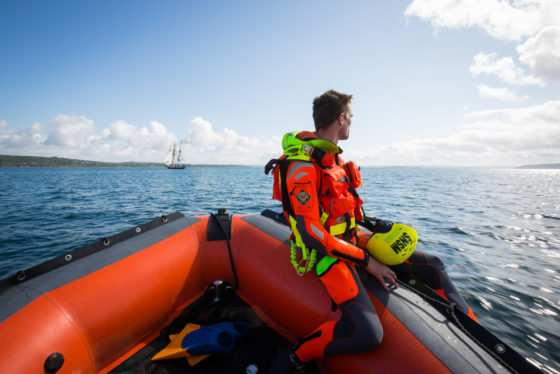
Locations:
column 100, row 309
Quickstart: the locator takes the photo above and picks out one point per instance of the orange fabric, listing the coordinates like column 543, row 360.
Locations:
column 315, row 347
column 363, row 237
column 400, row 351
column 354, row 173
column 176, row 271
column 340, row 283
column 96, row 319
column 334, row 180
column 38, row 330
column 442, row 293
column 276, row 193
column 306, row 135
column 302, row 185
column 303, row 194
column 471, row 314
column 335, row 198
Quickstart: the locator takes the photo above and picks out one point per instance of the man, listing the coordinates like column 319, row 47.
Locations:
column 320, row 202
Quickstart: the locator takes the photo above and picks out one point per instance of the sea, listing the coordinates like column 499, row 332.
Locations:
column 496, row 230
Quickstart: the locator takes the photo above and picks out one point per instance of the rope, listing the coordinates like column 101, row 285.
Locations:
column 229, row 250
column 450, row 308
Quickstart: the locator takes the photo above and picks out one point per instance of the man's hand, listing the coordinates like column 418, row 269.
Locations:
column 382, row 273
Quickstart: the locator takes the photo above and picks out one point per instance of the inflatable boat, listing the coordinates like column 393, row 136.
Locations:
column 113, row 305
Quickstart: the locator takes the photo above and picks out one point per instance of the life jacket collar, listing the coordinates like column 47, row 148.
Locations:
column 304, row 141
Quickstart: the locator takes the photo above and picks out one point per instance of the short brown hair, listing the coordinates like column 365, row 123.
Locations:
column 328, row 106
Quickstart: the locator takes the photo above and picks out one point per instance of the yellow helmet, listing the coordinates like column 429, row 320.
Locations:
column 395, row 246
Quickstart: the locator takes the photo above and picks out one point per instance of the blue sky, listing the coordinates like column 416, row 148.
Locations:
column 446, row 83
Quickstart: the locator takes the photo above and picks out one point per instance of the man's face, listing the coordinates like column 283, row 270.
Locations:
column 346, row 122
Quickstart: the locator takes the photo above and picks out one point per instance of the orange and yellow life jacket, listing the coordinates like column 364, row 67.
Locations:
column 339, row 203
column 339, row 206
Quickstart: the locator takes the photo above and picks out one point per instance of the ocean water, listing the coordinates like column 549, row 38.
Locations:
column 497, row 230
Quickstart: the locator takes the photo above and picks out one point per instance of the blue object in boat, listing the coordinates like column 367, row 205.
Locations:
column 217, row 338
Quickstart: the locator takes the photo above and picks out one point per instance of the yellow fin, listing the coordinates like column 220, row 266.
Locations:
column 193, row 360
column 174, row 349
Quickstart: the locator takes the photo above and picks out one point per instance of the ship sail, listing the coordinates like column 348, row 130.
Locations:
column 173, row 159
column 168, row 160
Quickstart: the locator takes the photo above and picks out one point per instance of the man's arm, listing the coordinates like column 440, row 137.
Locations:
column 301, row 182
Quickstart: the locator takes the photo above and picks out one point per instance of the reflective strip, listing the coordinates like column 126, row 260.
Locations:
column 301, row 175
column 317, row 231
column 341, row 241
column 297, row 236
column 341, row 227
column 295, row 167
column 323, row 219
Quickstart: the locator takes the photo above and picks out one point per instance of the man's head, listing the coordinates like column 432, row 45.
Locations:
column 331, row 107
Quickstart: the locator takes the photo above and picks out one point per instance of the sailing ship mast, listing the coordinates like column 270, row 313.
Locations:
column 173, row 159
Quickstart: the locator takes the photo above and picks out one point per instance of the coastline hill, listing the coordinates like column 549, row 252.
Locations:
column 34, row 161
column 541, row 166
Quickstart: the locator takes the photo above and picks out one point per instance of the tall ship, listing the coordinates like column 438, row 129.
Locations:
column 173, row 159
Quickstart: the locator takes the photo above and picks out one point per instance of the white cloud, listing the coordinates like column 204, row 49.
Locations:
column 70, row 131
column 499, row 93
column 127, row 142
column 75, row 137
column 537, row 20
column 542, row 53
column 501, row 19
column 203, row 145
column 504, row 137
column 12, row 140
column 120, row 130
column 504, row 68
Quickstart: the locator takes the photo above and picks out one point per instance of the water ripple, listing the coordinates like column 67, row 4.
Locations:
column 497, row 231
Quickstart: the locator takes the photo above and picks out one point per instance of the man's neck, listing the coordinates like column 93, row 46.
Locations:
column 330, row 134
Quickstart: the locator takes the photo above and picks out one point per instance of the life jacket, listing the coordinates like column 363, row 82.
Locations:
column 340, row 206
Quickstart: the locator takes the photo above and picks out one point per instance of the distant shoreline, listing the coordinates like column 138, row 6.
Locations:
column 36, row 161
column 541, row 166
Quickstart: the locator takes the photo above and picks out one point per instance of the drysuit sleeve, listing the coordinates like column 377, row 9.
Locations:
column 302, row 180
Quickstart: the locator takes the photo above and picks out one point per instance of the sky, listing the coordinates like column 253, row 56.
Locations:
column 434, row 82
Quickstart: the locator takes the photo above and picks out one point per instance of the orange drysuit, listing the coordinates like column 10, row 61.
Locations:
column 322, row 200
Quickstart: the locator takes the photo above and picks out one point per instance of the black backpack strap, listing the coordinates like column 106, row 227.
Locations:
column 283, row 165
column 376, row 225
column 270, row 165
column 318, row 155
